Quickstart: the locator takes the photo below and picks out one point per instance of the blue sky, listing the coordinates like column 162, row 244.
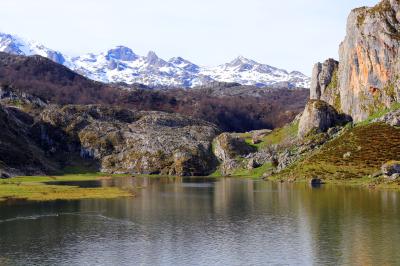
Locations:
column 287, row 34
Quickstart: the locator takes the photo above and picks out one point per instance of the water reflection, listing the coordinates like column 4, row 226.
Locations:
column 202, row 221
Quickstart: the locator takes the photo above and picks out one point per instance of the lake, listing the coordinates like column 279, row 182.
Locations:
column 203, row 221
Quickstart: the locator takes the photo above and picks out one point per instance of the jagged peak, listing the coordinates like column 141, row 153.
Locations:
column 241, row 60
column 121, row 53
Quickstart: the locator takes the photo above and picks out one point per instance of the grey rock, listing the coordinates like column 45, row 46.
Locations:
column 124, row 141
column 390, row 168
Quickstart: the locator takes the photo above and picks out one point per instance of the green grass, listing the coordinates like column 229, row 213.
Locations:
column 35, row 188
column 379, row 113
column 246, row 173
column 253, row 173
column 277, row 136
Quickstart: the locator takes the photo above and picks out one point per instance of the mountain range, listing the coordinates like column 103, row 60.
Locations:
column 122, row 65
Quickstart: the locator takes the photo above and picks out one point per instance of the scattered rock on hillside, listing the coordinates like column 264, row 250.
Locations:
column 124, row 141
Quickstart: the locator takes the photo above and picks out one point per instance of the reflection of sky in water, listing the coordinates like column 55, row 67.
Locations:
column 201, row 222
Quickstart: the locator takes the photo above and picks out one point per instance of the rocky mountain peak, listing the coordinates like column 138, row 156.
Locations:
column 121, row 53
column 184, row 64
column 240, row 61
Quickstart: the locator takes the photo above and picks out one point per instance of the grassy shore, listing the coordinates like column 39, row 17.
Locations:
column 36, row 188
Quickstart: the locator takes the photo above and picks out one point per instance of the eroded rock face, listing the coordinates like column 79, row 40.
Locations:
column 124, row 141
column 318, row 116
column 324, row 81
column 369, row 60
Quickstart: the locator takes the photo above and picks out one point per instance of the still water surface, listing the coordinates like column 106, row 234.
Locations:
column 187, row 221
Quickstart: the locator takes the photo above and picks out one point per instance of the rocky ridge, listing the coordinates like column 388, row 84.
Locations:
column 122, row 65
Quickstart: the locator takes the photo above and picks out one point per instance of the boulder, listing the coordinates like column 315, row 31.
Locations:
column 319, row 116
column 391, row 168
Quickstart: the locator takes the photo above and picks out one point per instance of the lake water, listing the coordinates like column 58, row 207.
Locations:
column 199, row 221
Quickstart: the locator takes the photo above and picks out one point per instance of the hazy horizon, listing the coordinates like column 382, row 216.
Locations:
column 290, row 36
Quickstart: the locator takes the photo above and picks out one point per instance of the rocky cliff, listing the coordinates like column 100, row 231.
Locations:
column 369, row 60
column 367, row 78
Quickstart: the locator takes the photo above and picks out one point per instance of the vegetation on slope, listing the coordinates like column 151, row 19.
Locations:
column 357, row 153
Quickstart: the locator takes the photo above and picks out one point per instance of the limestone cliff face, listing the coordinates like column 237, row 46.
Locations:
column 368, row 76
column 369, row 60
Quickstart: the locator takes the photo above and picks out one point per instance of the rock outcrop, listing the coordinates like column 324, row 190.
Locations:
column 319, row 116
column 324, row 83
column 124, row 141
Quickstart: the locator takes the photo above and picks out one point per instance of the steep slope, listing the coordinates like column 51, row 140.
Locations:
column 121, row 64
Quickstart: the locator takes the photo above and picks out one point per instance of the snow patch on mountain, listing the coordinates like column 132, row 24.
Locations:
column 121, row 64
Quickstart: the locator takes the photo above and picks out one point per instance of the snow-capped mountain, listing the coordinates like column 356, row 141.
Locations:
column 121, row 64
